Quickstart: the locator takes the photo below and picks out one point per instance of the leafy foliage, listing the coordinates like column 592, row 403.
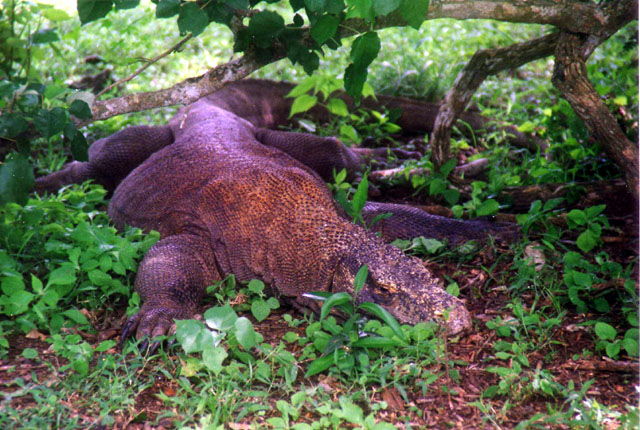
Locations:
column 61, row 253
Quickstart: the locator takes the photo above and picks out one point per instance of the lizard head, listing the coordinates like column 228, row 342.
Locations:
column 401, row 285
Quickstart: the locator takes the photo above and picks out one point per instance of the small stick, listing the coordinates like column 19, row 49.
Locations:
column 150, row 62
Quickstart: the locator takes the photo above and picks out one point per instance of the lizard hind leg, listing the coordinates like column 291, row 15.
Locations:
column 171, row 280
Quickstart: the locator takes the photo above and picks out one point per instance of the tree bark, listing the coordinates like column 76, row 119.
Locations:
column 571, row 15
column 570, row 77
column 483, row 63
column 182, row 93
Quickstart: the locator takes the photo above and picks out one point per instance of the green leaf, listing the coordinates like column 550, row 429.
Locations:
column 448, row 167
column 55, row 15
column 273, row 303
column 303, row 87
column 376, row 342
column 303, row 103
column 384, row 315
column 80, row 109
column 90, row 10
column 265, row 26
column 360, row 279
column 76, row 316
column 222, row 318
column 432, row 246
column 50, row 122
column 16, row 179
column 192, row 19
column 453, row 289
column 99, row 278
column 30, row 353
column 325, row 28
column 245, row 334
column 332, row 301
column 213, row 358
column 53, row 91
column 77, row 142
column 581, row 279
column 576, row 217
column 487, row 207
column 526, row 127
column 256, row 286
column 360, row 9
column 337, row 107
column 414, row 12
column 613, row 349
column 105, row 345
column 605, row 331
column 36, row 284
column 593, row 211
column 319, row 365
column 631, row 346
column 18, row 302
column 12, row 124
column 188, row 333
column 451, row 196
column 81, row 365
column 126, row 4
column 385, row 7
column 237, row 4
column 360, row 198
column 437, row 186
column 351, row 412
column 315, row 5
column 167, row 8
column 365, row 49
column 620, row 100
column 45, row 36
column 587, row 241
column 63, row 275
column 260, row 310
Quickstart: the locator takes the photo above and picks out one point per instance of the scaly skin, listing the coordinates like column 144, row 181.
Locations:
column 229, row 196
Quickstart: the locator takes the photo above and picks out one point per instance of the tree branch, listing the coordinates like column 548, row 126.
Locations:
column 185, row 92
column 174, row 48
column 571, row 15
column 482, row 64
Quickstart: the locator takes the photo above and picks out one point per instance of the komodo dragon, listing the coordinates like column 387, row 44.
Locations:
column 229, row 195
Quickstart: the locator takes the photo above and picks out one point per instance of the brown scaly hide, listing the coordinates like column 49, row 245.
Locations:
column 230, row 196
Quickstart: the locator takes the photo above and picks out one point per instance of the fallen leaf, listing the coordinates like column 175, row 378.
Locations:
column 393, row 399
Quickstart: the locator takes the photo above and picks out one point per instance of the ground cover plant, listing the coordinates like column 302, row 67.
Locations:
column 555, row 335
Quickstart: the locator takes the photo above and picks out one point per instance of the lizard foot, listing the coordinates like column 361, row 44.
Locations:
column 151, row 322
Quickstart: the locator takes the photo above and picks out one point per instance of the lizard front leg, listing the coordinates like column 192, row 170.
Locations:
column 171, row 281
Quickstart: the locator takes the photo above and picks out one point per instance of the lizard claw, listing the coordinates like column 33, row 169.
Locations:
column 151, row 322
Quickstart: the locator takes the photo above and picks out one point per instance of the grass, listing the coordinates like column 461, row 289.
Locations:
column 544, row 309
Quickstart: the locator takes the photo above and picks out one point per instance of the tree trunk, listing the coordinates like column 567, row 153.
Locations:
column 570, row 77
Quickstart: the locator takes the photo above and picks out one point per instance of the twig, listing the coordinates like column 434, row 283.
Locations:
column 603, row 366
column 174, row 48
